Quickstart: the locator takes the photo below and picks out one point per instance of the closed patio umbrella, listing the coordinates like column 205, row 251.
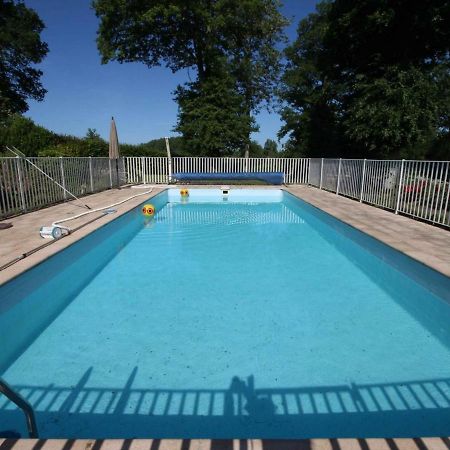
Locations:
column 114, row 148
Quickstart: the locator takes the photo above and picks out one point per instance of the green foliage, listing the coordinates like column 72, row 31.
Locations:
column 367, row 37
column 250, row 33
column 270, row 148
column 177, row 32
column 24, row 134
column 218, row 38
column 369, row 79
column 94, row 144
column 313, row 101
column 254, row 150
column 212, row 118
column 155, row 147
column 34, row 140
column 394, row 115
column 20, row 48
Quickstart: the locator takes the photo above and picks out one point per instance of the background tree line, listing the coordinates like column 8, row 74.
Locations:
column 35, row 140
column 370, row 79
column 361, row 79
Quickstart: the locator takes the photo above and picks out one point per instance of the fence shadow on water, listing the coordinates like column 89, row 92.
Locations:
column 410, row 408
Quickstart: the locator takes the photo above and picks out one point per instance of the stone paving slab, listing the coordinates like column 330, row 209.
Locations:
column 226, row 444
column 424, row 242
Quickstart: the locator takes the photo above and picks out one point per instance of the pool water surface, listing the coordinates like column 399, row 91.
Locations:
column 217, row 318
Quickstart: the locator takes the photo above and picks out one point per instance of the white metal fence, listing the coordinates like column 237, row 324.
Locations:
column 295, row 169
column 156, row 169
column 23, row 188
column 420, row 189
column 140, row 169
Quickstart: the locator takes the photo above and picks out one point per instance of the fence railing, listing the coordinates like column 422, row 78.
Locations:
column 156, row 169
column 142, row 169
column 420, row 189
column 23, row 188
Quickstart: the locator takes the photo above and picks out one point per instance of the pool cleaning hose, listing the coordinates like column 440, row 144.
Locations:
column 56, row 231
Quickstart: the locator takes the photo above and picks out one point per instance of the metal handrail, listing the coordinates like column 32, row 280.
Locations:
column 16, row 398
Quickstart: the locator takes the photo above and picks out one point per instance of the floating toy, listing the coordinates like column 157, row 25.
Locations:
column 148, row 210
column 184, row 192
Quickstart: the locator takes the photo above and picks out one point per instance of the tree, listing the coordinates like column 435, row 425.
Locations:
column 20, row 48
column 212, row 118
column 35, row 140
column 24, row 134
column 252, row 31
column 369, row 79
column 395, row 114
column 178, row 33
column 313, row 100
column 211, row 36
column 393, row 58
column 95, row 145
column 270, row 148
column 367, row 37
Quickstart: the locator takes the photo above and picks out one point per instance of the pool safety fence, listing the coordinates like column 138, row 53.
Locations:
column 418, row 189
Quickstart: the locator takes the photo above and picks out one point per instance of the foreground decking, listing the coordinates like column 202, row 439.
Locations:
column 231, row 444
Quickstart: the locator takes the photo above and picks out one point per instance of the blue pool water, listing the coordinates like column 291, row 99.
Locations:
column 250, row 316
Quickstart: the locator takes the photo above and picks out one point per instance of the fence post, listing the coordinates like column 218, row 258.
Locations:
column 169, row 161
column 308, row 181
column 339, row 176
column 363, row 179
column 91, row 175
column 142, row 170
column 63, row 178
column 20, row 176
column 399, row 191
column 321, row 173
column 110, row 174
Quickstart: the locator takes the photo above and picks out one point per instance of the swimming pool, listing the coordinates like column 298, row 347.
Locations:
column 247, row 315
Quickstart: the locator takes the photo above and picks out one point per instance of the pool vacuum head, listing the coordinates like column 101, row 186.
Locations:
column 51, row 232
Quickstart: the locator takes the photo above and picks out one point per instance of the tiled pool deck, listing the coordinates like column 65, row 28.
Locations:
column 24, row 235
column 236, row 444
column 423, row 242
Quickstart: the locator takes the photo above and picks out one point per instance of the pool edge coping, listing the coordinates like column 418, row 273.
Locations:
column 418, row 443
column 371, row 234
column 10, row 273
column 40, row 256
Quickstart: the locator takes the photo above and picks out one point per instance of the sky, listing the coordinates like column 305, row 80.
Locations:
column 83, row 93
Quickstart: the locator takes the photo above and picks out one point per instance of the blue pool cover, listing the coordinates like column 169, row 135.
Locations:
column 268, row 177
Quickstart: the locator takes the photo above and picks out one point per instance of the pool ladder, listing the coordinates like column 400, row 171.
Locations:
column 27, row 409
